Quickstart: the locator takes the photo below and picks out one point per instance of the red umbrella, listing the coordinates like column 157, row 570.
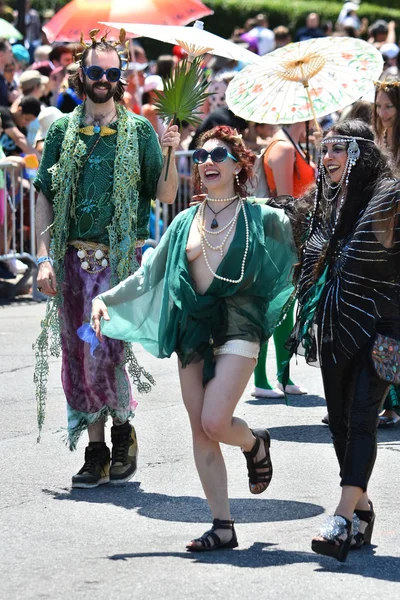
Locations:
column 84, row 15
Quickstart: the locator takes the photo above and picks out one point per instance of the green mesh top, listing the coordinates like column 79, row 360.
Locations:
column 159, row 307
column 93, row 209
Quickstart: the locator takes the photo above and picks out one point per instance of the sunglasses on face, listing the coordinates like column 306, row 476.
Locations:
column 95, row 73
column 218, row 154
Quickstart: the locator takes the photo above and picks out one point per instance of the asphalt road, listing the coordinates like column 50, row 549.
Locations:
column 128, row 542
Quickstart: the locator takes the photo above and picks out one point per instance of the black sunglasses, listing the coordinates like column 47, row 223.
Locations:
column 218, row 154
column 95, row 73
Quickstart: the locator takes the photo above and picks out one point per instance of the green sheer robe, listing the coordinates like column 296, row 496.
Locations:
column 159, row 307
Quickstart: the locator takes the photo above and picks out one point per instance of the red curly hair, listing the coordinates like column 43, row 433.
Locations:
column 237, row 148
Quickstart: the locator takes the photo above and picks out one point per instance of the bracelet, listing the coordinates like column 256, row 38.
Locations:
column 43, row 259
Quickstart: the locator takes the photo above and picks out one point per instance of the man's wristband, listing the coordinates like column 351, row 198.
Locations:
column 43, row 259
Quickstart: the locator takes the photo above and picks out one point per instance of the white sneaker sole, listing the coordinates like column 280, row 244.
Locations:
column 293, row 390
column 91, row 485
column 261, row 393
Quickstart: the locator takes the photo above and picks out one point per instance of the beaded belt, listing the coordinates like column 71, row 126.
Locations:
column 94, row 256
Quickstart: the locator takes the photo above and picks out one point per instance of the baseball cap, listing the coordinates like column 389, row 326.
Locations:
column 390, row 50
column 32, row 76
column 153, row 82
column 179, row 52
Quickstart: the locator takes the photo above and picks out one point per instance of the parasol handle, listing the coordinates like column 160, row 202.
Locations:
column 306, row 87
column 167, row 154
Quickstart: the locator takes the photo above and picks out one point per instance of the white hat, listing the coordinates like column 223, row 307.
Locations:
column 46, row 117
column 137, row 66
column 345, row 9
column 153, row 82
column 390, row 50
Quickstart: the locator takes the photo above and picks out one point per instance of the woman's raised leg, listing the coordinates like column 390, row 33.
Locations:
column 220, row 399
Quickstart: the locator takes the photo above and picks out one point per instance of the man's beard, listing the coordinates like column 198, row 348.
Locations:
column 95, row 96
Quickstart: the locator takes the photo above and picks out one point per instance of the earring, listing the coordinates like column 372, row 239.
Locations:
column 353, row 152
column 237, row 179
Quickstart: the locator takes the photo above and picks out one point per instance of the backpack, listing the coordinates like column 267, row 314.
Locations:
column 260, row 189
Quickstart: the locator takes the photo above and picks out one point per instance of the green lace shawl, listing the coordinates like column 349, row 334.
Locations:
column 122, row 236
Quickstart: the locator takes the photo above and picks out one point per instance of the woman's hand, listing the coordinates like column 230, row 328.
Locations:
column 171, row 138
column 99, row 309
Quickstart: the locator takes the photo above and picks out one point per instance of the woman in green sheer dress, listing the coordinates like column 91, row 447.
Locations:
column 212, row 292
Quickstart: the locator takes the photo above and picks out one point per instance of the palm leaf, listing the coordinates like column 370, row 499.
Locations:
column 184, row 93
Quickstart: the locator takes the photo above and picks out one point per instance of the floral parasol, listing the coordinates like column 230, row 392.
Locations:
column 304, row 80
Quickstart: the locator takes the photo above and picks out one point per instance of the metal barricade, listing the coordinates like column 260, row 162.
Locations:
column 16, row 220
column 167, row 212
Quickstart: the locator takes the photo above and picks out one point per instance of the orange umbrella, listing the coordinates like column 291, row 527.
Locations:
column 84, row 15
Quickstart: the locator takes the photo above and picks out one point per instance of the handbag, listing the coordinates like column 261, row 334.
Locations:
column 386, row 358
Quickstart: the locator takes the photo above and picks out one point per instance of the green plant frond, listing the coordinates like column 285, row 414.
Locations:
column 184, row 93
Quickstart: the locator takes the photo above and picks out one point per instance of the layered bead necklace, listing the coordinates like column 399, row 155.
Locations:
column 228, row 228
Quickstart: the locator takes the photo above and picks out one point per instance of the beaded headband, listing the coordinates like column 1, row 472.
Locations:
column 345, row 139
column 123, row 54
column 386, row 85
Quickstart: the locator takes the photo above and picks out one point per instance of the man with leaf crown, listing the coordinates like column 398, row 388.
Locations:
column 101, row 167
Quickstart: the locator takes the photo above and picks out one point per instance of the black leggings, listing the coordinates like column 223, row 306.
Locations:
column 354, row 394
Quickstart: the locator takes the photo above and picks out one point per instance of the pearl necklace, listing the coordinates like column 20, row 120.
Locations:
column 231, row 224
column 385, row 142
column 246, row 250
column 222, row 199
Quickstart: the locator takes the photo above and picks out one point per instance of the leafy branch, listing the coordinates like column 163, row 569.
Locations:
column 183, row 95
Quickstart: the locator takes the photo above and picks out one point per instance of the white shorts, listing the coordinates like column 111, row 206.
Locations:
column 239, row 347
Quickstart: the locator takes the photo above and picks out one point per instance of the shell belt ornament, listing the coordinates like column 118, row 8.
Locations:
column 93, row 256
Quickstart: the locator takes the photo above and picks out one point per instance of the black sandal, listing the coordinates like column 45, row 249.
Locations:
column 260, row 471
column 333, row 543
column 205, row 539
column 361, row 539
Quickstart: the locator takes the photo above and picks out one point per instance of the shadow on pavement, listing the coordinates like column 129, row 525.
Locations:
column 188, row 509
column 309, row 434
column 305, row 400
column 260, row 555
column 320, row 434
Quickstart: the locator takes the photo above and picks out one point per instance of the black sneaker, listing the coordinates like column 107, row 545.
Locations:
column 96, row 469
column 124, row 453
